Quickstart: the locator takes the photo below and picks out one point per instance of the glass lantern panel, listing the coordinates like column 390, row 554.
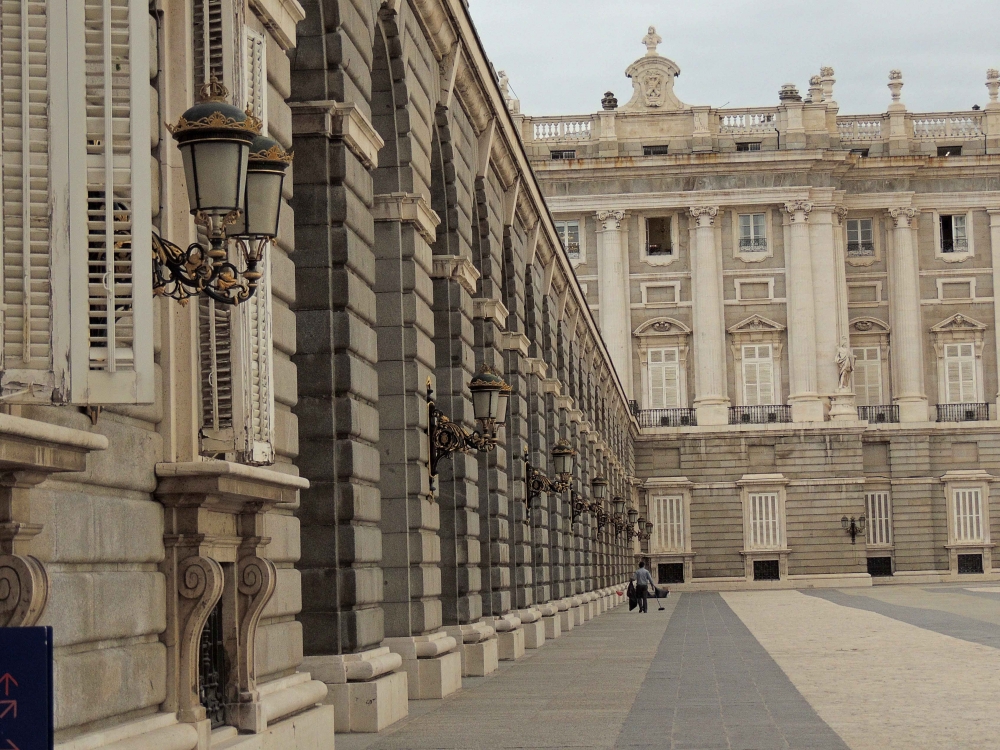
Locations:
column 216, row 170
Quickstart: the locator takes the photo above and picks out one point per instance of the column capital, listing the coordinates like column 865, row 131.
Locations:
column 840, row 212
column 902, row 216
column 611, row 219
column 797, row 209
column 704, row 215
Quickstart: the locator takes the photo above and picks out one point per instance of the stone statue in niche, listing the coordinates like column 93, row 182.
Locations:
column 845, row 363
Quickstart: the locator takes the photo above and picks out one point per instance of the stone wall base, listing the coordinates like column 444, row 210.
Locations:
column 577, row 613
column 511, row 644
column 479, row 659
column 553, row 626
column 534, row 633
column 309, row 730
column 567, row 620
column 370, row 706
column 434, row 678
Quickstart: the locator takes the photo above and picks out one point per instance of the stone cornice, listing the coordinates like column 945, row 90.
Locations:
column 552, row 385
column 490, row 309
column 515, row 342
column 407, row 208
column 225, row 485
column 457, row 268
column 339, row 120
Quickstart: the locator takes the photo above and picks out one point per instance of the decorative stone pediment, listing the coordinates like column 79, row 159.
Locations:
column 662, row 326
column 756, row 323
column 958, row 322
column 653, row 80
column 869, row 325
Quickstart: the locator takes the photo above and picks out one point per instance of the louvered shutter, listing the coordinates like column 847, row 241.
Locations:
column 255, row 74
column 31, row 368
column 960, row 374
column 207, row 42
column 218, row 434
column 656, row 397
column 758, row 375
column 110, row 192
column 254, row 393
column 868, row 376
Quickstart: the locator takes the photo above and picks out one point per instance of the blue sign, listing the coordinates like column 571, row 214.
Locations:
column 26, row 689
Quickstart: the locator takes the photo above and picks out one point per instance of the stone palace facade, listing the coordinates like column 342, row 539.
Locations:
column 226, row 512
column 801, row 306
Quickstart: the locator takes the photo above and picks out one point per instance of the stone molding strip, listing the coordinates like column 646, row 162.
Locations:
column 339, row 120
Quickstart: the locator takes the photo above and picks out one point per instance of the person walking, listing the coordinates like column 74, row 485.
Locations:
column 643, row 582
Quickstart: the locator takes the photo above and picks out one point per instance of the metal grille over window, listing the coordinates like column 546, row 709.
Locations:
column 569, row 235
column 860, row 238
column 668, row 524
column 764, row 522
column 879, row 512
column 954, row 238
column 753, row 233
column 212, row 669
column 967, row 507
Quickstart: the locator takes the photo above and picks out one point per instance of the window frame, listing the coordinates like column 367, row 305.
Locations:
column 862, row 260
column 769, row 280
column 954, row 257
column 752, row 256
column 757, row 329
column 960, row 330
column 645, row 286
column 663, row 333
column 560, row 224
column 751, row 485
column 878, row 534
column 744, row 362
column 679, row 399
column 964, row 481
column 855, row 348
column 665, row 259
column 680, row 518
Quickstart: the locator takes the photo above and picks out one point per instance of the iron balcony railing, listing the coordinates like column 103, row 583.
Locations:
column 633, row 406
column 767, row 414
column 753, row 244
column 879, row 414
column 667, row 418
column 963, row 412
column 955, row 246
column 659, row 250
column 861, row 249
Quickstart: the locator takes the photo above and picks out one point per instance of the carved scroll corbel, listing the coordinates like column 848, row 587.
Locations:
column 24, row 590
column 255, row 583
column 199, row 585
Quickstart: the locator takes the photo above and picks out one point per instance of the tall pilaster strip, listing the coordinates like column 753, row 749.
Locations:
column 803, row 387
column 907, row 330
column 995, row 251
column 711, row 400
column 612, row 279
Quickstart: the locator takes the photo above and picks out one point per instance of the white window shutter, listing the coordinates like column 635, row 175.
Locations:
column 255, row 75
column 218, row 435
column 110, row 193
column 207, row 41
column 30, row 370
column 254, row 392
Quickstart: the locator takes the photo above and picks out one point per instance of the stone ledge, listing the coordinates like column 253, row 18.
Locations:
column 339, row 669
column 229, row 484
column 553, row 385
column 280, row 17
column 490, row 309
column 515, row 342
column 289, row 695
column 457, row 268
column 407, row 208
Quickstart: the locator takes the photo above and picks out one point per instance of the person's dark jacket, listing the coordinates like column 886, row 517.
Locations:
column 633, row 600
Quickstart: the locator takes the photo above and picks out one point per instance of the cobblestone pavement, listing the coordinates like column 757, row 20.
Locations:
column 907, row 667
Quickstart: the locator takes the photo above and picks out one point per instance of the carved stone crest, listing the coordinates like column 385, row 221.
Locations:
column 653, row 79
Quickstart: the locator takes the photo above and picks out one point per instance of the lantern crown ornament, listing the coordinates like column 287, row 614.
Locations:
column 234, row 181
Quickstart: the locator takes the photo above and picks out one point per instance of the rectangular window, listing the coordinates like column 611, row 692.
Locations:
column 758, row 375
column 765, row 526
column 749, row 146
column 654, row 150
column 564, row 154
column 879, row 511
column 668, row 524
column 960, row 374
column 949, row 150
column 968, row 515
column 954, row 237
column 860, row 238
column 658, row 236
column 664, row 379
column 868, row 375
column 569, row 234
column 753, row 233
column 862, row 152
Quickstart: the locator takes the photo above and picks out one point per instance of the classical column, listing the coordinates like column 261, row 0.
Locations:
column 843, row 406
column 904, row 311
column 612, row 280
column 711, row 400
column 803, row 396
column 995, row 249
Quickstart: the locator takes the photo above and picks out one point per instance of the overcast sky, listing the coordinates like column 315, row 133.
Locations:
column 562, row 55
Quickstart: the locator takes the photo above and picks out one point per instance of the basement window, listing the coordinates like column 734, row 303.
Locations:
column 949, row 150
column 862, row 152
column 564, row 154
column 654, row 150
column 748, row 146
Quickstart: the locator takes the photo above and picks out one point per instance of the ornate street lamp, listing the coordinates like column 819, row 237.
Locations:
column 234, row 180
column 579, row 505
column 562, row 458
column 446, row 437
column 649, row 531
column 633, row 516
column 853, row 526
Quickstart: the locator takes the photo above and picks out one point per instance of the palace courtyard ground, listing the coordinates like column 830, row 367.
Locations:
column 867, row 669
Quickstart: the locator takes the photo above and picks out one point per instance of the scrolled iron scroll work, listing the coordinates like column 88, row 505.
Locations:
column 24, row 590
column 181, row 274
column 537, row 482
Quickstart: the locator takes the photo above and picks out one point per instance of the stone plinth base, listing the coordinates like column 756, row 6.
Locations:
column 553, row 626
column 534, row 634
column 510, row 644
column 480, row 659
column 311, row 730
column 370, row 706
column 567, row 620
column 434, row 678
column 578, row 617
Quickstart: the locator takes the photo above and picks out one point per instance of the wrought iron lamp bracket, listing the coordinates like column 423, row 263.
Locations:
column 446, row 437
column 181, row 274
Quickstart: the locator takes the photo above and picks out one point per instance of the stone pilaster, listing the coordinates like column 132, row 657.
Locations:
column 711, row 400
column 995, row 253
column 905, row 319
column 613, row 287
column 803, row 387
column 828, row 276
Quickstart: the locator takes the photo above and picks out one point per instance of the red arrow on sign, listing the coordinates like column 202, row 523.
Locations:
column 10, row 706
column 6, row 681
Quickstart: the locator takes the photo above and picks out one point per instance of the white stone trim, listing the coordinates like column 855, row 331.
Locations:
column 969, row 232
column 663, row 333
column 769, row 280
column 644, row 286
column 280, row 17
column 734, row 222
column 757, row 330
column 407, row 208
column 959, row 329
column 862, row 261
column 659, row 260
column 970, row 280
column 877, row 285
column 458, row 268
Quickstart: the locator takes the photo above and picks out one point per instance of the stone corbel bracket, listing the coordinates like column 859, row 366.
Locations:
column 536, row 366
column 457, row 268
column 341, row 121
column 30, row 452
column 515, row 342
column 407, row 208
column 490, row 309
column 563, row 402
column 554, row 386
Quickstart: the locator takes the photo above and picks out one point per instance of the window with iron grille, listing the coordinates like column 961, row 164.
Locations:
column 954, row 233
column 765, row 524
column 860, row 238
column 949, row 150
column 563, row 154
column 970, row 564
column 766, row 570
column 880, row 567
column 879, row 512
column 748, row 146
column 569, row 235
column 670, row 573
column 753, row 233
column 654, row 150
column 967, row 514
